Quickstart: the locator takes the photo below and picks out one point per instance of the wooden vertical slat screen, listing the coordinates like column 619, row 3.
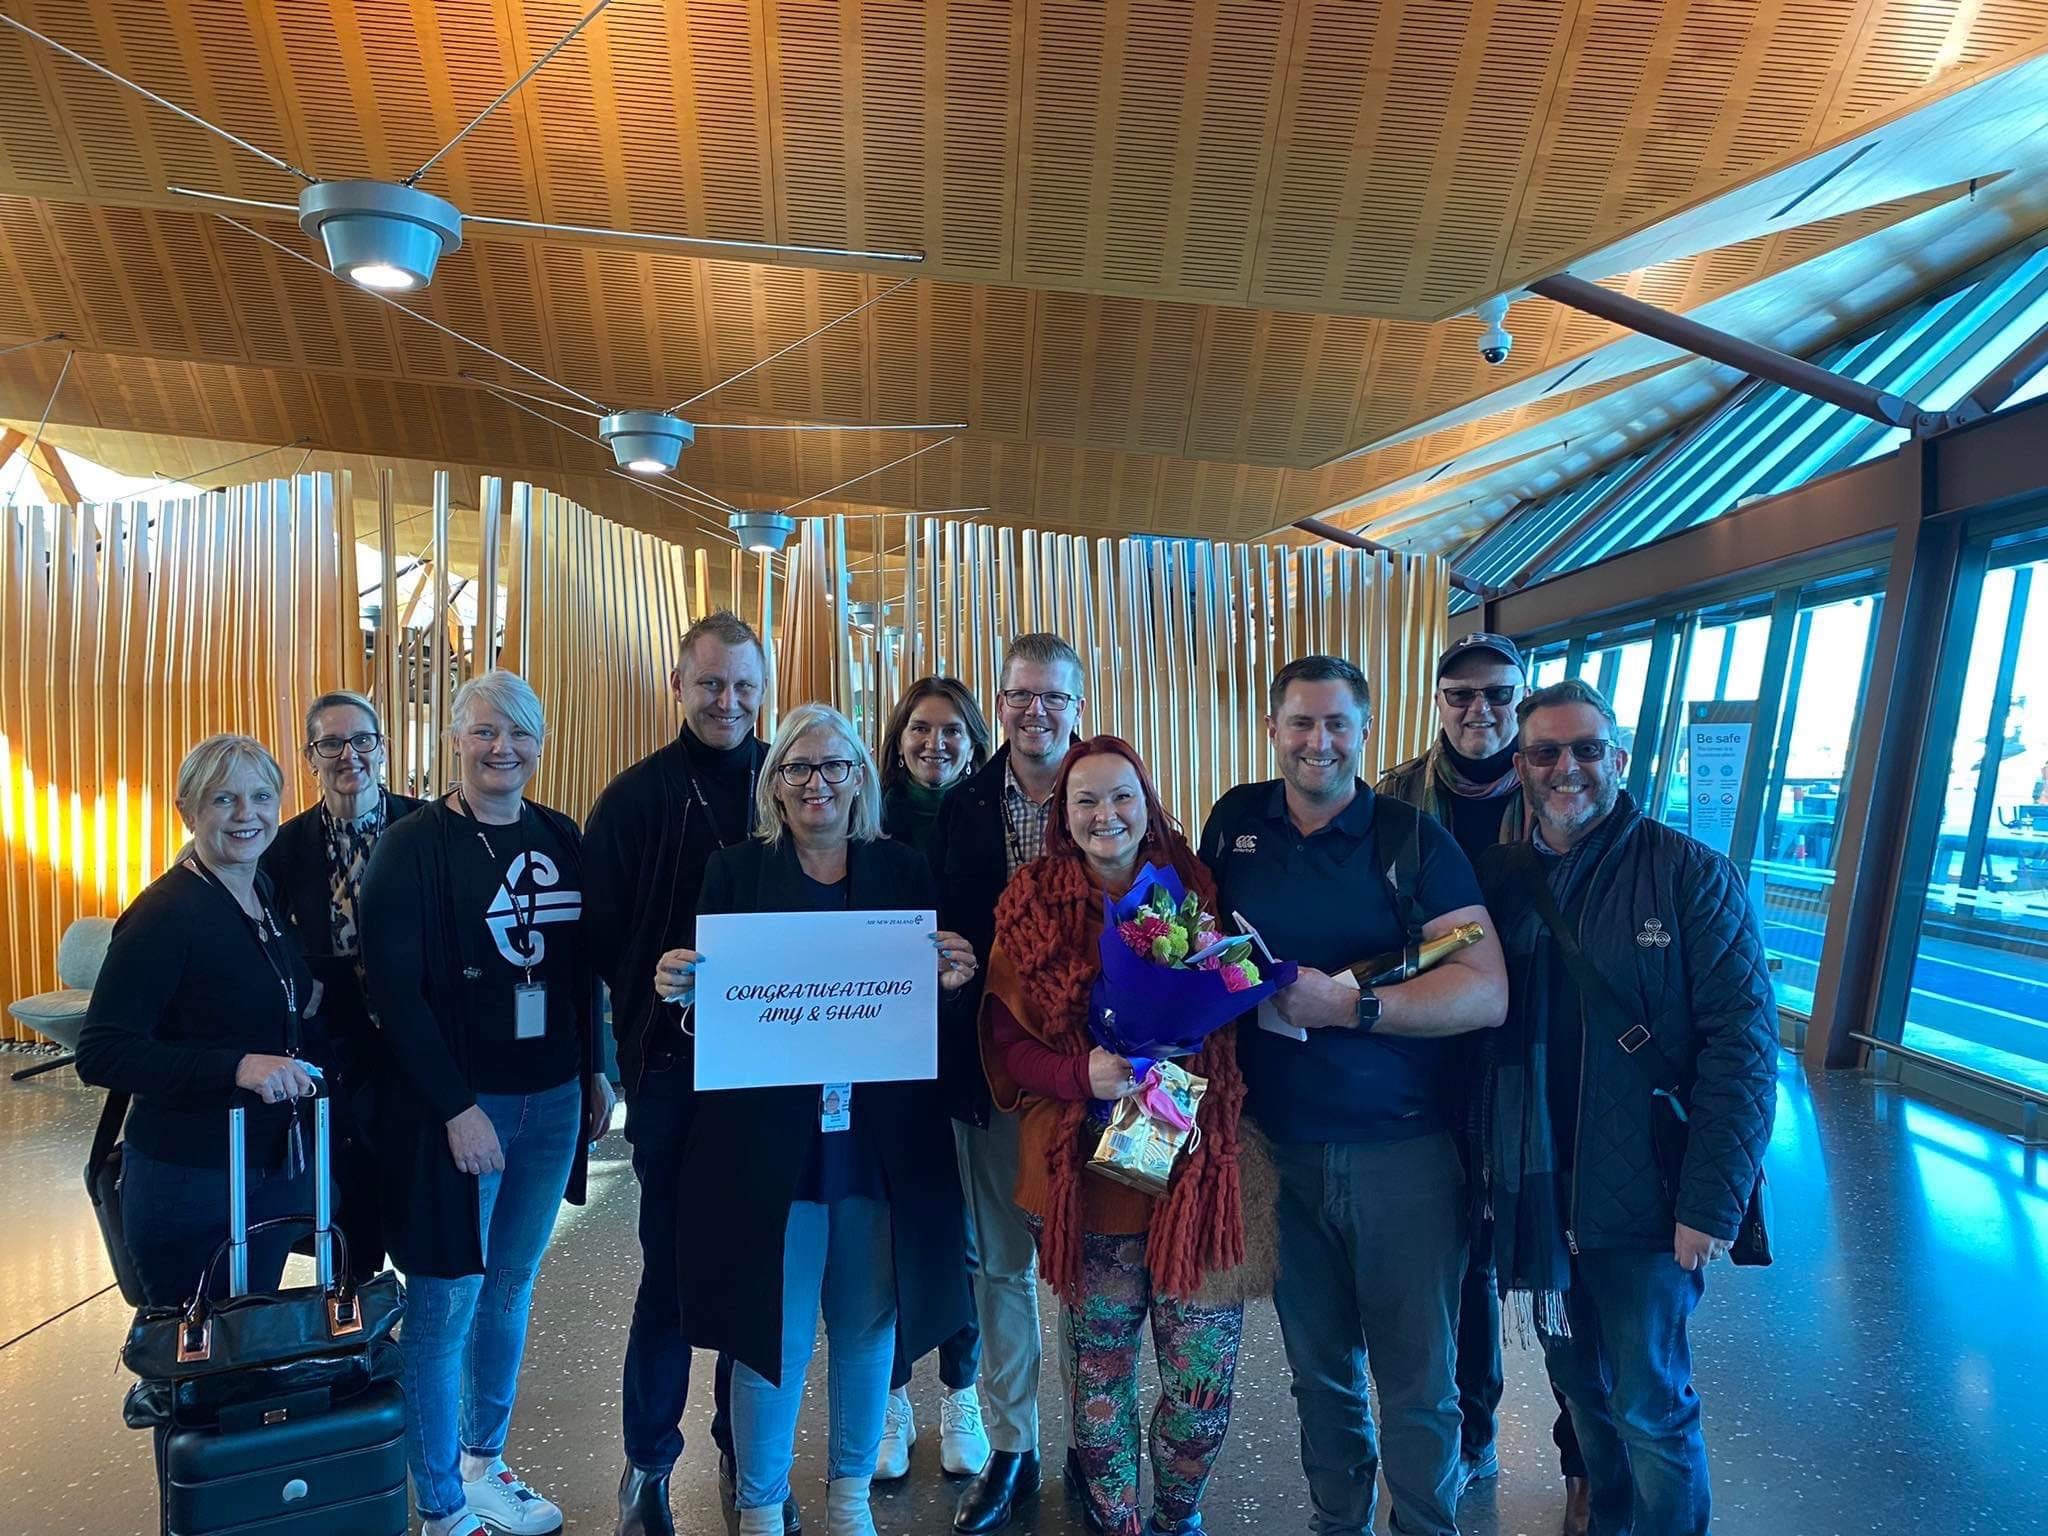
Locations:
column 127, row 635
column 1178, row 637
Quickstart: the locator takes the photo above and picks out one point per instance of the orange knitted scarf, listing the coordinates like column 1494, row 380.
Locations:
column 1050, row 923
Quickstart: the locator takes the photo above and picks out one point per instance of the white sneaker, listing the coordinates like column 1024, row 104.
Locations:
column 963, row 1442
column 501, row 1499
column 461, row 1523
column 899, row 1434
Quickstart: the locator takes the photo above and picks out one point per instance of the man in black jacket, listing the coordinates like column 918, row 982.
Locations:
column 989, row 828
column 1632, row 1095
column 650, row 835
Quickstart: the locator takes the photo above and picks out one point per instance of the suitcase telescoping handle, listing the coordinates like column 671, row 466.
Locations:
column 238, row 1190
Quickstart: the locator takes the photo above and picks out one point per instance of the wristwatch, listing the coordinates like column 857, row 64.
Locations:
column 1368, row 1010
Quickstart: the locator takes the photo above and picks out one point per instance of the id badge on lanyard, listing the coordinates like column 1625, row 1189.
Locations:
column 530, row 1010
column 835, row 1107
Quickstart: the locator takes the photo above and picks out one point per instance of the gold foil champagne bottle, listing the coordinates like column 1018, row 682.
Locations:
column 1400, row 964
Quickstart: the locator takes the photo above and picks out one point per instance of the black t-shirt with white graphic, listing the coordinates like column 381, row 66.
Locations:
column 518, row 922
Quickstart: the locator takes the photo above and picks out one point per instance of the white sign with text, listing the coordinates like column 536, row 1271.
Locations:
column 816, row 997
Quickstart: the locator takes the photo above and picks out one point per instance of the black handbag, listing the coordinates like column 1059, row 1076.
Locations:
column 103, row 1188
column 1670, row 1120
column 316, row 1346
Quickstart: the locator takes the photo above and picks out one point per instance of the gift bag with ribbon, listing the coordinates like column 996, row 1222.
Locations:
column 1148, row 1130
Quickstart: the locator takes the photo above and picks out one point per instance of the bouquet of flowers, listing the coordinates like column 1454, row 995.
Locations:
column 1170, row 978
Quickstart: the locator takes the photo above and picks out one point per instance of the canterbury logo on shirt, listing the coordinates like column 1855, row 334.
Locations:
column 531, row 875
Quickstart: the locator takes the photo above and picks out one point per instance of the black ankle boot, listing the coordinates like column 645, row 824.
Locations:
column 643, row 1504
column 992, row 1498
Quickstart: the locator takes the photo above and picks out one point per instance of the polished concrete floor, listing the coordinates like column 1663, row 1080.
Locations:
column 1890, row 1374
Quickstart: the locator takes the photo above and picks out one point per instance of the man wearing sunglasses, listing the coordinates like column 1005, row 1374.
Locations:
column 1467, row 781
column 1630, row 1103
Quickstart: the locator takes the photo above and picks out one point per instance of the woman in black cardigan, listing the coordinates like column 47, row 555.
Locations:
column 479, row 978
column 203, row 991
column 317, row 865
column 867, row 1225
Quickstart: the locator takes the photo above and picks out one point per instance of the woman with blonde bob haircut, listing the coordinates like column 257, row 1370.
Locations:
column 204, row 991
column 866, row 1224
column 480, row 979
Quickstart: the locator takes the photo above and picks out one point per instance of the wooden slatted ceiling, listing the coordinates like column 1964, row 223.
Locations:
column 1394, row 157
column 638, row 327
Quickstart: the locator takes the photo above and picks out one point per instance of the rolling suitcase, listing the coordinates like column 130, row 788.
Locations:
column 276, row 1415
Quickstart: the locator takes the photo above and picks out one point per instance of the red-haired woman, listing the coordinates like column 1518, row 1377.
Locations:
column 1116, row 1256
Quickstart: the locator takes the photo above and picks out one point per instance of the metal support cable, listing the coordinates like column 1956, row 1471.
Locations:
column 784, row 351
column 508, row 93
column 867, row 475
column 169, row 106
column 48, row 406
column 509, row 362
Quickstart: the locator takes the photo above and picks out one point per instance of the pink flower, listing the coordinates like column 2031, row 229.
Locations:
column 1142, row 933
column 1235, row 980
column 1206, row 937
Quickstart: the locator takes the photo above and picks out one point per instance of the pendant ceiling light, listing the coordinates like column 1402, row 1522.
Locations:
column 763, row 533
column 646, row 442
column 381, row 234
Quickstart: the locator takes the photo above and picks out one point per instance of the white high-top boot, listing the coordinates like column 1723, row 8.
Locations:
column 846, row 1508
column 761, row 1522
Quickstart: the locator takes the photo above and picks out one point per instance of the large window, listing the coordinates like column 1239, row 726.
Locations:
column 1740, row 719
column 1792, row 867
column 1979, row 991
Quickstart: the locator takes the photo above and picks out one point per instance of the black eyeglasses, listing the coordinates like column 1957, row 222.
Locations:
column 834, row 770
column 1461, row 698
column 364, row 743
column 1546, row 753
column 1021, row 698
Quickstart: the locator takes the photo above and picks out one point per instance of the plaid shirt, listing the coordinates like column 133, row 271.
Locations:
column 1023, row 823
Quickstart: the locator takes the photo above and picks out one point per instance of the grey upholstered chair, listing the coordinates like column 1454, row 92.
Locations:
column 60, row 1015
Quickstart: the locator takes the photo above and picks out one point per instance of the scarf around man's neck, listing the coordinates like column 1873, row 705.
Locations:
column 1475, row 778
column 1531, row 1203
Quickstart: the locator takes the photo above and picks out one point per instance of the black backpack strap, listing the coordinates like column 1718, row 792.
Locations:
column 112, row 1116
column 1397, row 834
column 1636, row 1043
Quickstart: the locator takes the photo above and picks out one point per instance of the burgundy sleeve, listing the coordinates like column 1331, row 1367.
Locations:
column 1033, row 1066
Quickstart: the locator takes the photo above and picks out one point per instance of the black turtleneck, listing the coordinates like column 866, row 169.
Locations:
column 725, row 775
column 1475, row 823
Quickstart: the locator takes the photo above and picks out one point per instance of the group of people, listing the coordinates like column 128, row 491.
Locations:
column 1398, row 1166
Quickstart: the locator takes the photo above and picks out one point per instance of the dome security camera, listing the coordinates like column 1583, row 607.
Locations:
column 1494, row 342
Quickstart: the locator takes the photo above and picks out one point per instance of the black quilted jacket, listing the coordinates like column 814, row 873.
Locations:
column 1667, row 924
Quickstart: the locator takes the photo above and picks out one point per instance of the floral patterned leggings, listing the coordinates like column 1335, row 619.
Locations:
column 1197, row 1349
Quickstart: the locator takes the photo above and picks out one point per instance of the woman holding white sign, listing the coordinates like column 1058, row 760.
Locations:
column 827, row 1196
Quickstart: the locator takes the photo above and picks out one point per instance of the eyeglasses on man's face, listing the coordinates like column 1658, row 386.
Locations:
column 363, row 743
column 1544, row 754
column 834, row 770
column 1461, row 698
column 1023, row 698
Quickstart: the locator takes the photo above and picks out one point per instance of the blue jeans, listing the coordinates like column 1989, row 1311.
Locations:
column 1626, row 1375
column 464, row 1339
column 657, row 1373
column 1372, row 1251
column 174, row 1217
column 837, row 1256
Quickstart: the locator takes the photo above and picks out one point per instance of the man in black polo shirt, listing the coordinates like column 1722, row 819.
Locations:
column 1349, row 1085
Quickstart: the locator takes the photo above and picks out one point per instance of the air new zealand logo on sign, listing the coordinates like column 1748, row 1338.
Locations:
column 1653, row 935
